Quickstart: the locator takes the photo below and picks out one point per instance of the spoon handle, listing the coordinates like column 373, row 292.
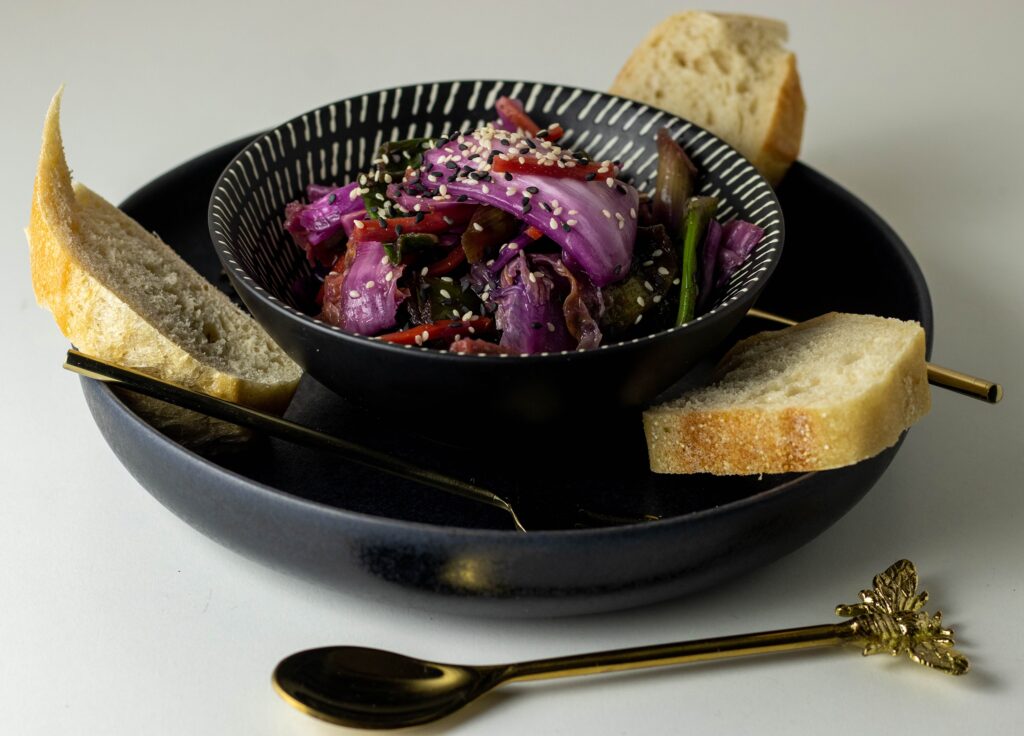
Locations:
column 172, row 393
column 889, row 619
column 700, row 650
column 961, row 383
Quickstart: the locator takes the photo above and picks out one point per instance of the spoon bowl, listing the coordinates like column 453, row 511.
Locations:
column 372, row 688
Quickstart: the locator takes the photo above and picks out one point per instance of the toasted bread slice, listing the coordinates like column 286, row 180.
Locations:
column 730, row 74
column 120, row 293
column 822, row 394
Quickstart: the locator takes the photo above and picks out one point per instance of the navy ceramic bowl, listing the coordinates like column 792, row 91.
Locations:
column 335, row 143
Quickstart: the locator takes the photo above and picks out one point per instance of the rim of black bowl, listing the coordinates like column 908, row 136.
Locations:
column 743, row 299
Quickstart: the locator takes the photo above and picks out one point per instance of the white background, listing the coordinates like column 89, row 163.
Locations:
column 116, row 617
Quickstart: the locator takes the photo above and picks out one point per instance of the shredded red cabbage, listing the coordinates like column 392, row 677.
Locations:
column 364, row 298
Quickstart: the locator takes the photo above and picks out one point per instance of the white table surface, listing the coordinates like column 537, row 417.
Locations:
column 116, row 617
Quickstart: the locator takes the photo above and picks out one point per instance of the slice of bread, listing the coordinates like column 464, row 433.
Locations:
column 822, row 394
column 120, row 293
column 730, row 74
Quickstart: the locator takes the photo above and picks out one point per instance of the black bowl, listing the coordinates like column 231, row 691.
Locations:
column 334, row 143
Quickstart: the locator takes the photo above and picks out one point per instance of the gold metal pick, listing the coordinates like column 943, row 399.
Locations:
column 961, row 383
column 372, row 688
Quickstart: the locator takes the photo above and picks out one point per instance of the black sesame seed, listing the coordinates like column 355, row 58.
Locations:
column 508, row 176
column 383, row 222
column 503, row 141
column 332, row 199
column 463, row 147
column 591, row 176
column 398, row 229
column 545, row 206
column 462, row 198
column 542, row 134
column 567, row 227
column 451, row 165
column 620, row 189
column 453, row 177
column 524, row 150
column 530, row 143
column 532, row 190
column 524, row 201
column 526, row 208
column 617, row 269
column 420, row 216
column 536, row 325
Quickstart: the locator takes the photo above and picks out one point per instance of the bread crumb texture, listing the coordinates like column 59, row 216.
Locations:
column 730, row 74
column 823, row 394
column 120, row 293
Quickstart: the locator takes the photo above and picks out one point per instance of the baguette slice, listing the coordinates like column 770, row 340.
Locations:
column 822, row 394
column 730, row 74
column 120, row 293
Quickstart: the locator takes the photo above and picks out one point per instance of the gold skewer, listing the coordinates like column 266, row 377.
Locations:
column 947, row 378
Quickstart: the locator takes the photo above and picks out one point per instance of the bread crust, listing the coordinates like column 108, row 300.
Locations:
column 90, row 314
column 750, row 440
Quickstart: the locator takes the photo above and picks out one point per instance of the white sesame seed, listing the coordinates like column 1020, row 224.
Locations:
column 442, row 190
column 553, row 223
column 551, row 327
column 573, row 212
column 379, row 196
column 354, row 294
column 419, row 339
column 607, row 214
column 510, row 192
column 485, row 296
column 424, row 270
column 370, row 284
column 640, row 301
column 647, row 263
column 467, row 316
column 610, row 182
column 362, row 180
column 455, row 313
column 632, row 212
column 445, row 294
column 484, row 188
column 647, row 285
column 622, row 224
column 656, row 298
column 571, row 223
column 657, row 253
column 532, row 277
column 513, row 246
column 638, row 318
column 416, row 208
column 472, row 330
column 478, row 227
column 425, row 335
column 449, row 279
column 675, row 281
column 359, row 224
column 384, row 260
column 663, row 271
column 391, row 275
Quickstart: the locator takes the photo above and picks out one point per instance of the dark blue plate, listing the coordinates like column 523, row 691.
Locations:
column 309, row 514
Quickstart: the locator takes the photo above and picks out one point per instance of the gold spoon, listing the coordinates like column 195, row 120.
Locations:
column 962, row 383
column 372, row 688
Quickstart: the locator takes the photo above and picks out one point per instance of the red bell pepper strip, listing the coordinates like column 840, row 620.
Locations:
column 445, row 329
column 512, row 111
column 530, row 165
column 534, row 233
column 447, row 264
column 431, row 222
